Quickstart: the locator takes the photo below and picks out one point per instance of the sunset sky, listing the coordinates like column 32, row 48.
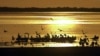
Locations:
column 50, row 3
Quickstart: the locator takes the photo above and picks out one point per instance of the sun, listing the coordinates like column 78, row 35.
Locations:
column 63, row 20
column 61, row 23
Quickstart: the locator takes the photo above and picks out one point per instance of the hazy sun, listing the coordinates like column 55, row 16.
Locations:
column 61, row 24
column 63, row 20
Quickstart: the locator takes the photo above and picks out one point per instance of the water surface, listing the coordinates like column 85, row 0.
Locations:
column 71, row 23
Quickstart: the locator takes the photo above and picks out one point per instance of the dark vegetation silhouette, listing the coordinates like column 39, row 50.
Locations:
column 85, row 41
column 95, row 41
column 59, row 9
column 46, row 38
column 62, row 38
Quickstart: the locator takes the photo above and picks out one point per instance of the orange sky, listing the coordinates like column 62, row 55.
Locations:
column 50, row 3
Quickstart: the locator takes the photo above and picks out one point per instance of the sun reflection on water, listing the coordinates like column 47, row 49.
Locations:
column 62, row 45
column 49, row 44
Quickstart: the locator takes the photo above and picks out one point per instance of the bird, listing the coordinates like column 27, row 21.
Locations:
column 60, row 30
column 26, row 33
column 5, row 31
column 42, row 28
column 52, row 19
column 37, row 33
column 83, row 32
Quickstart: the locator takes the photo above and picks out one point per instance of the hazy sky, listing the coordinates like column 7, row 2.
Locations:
column 50, row 3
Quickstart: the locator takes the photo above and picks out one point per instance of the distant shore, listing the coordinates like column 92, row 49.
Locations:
column 58, row 9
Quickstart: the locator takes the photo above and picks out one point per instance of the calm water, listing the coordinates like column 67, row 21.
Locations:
column 71, row 23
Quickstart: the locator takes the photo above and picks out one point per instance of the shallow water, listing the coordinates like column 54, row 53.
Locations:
column 72, row 23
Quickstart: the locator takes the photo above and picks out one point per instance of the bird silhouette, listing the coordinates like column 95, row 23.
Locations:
column 26, row 33
column 42, row 27
column 37, row 33
column 52, row 19
column 84, row 33
column 60, row 30
column 5, row 31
